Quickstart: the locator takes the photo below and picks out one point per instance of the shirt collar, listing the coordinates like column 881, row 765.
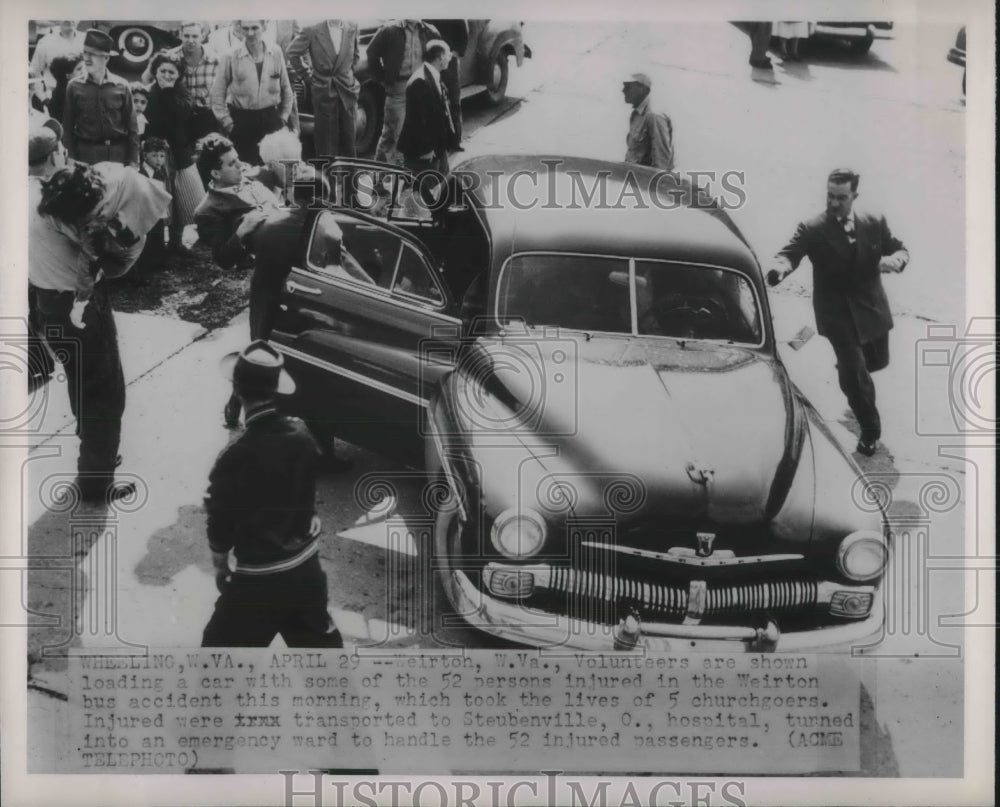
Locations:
column 244, row 51
column 433, row 71
column 642, row 107
column 259, row 411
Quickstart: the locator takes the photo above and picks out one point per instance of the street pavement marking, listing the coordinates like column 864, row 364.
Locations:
column 377, row 535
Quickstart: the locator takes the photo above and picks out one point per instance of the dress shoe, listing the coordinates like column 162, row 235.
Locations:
column 865, row 448
column 763, row 64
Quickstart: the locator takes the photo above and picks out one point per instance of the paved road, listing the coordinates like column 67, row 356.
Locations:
column 889, row 115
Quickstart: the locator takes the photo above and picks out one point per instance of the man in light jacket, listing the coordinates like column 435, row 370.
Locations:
column 254, row 78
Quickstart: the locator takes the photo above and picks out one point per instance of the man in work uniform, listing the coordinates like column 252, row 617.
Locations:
column 261, row 507
column 99, row 123
column 394, row 54
column 650, row 139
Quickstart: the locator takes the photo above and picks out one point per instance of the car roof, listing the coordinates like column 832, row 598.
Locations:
column 550, row 214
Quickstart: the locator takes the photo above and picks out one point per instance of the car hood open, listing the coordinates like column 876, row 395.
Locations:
column 707, row 429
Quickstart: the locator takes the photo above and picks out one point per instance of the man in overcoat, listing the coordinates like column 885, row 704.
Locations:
column 331, row 50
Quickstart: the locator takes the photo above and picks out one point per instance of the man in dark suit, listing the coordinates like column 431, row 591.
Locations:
column 849, row 251
column 428, row 131
column 331, row 50
column 456, row 34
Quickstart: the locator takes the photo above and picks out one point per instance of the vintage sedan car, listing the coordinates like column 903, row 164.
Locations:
column 596, row 389
column 484, row 69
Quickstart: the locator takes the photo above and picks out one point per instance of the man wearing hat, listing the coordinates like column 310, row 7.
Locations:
column 99, row 120
column 650, row 139
column 261, row 507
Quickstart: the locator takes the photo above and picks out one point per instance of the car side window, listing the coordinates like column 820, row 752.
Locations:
column 414, row 281
column 353, row 251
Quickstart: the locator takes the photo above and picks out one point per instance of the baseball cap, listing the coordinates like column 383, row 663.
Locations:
column 639, row 78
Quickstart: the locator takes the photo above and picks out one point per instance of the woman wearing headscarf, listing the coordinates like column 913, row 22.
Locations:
column 170, row 115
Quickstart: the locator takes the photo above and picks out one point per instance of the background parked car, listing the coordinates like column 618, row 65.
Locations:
column 135, row 40
column 484, row 70
column 858, row 36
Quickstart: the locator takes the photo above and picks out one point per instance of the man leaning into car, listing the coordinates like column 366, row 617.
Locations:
column 849, row 251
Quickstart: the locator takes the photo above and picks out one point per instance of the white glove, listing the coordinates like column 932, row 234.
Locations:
column 76, row 314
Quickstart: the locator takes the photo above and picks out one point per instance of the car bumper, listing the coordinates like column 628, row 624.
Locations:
column 518, row 623
column 956, row 56
column 858, row 31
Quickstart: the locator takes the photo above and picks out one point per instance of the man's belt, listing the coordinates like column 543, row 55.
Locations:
column 106, row 142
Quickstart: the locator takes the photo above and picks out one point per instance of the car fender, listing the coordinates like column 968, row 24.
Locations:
column 497, row 36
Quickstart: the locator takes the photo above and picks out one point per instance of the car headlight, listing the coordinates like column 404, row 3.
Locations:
column 862, row 555
column 518, row 533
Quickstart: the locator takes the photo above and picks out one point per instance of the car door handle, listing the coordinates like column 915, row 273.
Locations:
column 291, row 287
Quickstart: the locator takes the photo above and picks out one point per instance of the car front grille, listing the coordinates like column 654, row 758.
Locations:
column 672, row 600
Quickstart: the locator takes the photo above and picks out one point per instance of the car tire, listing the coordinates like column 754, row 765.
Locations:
column 859, row 47
column 135, row 46
column 496, row 80
column 368, row 119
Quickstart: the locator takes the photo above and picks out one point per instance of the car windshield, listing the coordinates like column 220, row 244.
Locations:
column 634, row 297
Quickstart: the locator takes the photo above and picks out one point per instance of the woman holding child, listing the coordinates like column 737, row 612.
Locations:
column 170, row 115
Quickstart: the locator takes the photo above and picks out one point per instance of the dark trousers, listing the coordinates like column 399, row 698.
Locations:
column 760, row 39
column 153, row 253
column 266, row 288
column 94, row 379
column 249, row 126
column 855, row 364
column 334, row 121
column 40, row 363
column 253, row 609
column 452, row 80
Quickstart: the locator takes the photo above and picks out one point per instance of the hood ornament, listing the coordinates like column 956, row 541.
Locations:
column 700, row 476
column 705, row 541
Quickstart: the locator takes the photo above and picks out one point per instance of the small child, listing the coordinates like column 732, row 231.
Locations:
column 154, row 166
column 140, row 100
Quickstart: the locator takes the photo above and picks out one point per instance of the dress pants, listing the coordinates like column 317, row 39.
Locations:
column 249, row 126
column 252, row 609
column 94, row 379
column 855, row 364
column 334, row 121
column 392, row 122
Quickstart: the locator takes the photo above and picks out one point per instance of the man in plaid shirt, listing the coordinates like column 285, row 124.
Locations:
column 199, row 76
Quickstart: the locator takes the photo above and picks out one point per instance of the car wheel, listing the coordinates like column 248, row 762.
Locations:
column 368, row 120
column 135, row 46
column 860, row 47
column 496, row 84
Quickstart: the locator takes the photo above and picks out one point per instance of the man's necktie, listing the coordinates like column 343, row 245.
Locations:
column 848, row 225
column 447, row 106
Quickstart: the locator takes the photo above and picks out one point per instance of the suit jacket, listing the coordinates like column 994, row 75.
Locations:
column 848, row 297
column 326, row 66
column 385, row 51
column 426, row 127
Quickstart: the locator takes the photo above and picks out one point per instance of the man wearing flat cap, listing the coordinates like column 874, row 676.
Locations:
column 650, row 139
column 98, row 120
column 261, row 508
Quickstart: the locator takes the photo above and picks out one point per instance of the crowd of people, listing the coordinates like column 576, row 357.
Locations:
column 208, row 136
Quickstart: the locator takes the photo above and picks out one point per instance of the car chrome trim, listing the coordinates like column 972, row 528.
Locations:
column 519, row 623
column 350, row 374
column 631, row 261
column 672, row 555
